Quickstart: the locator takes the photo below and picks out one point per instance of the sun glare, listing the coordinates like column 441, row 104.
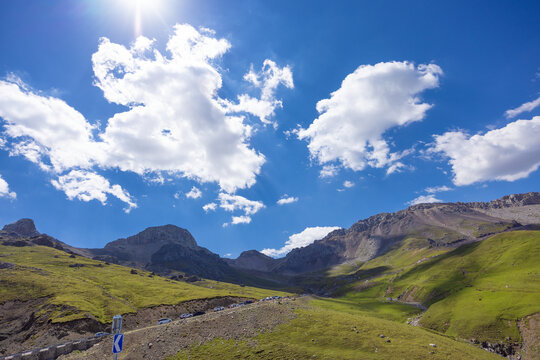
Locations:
column 141, row 9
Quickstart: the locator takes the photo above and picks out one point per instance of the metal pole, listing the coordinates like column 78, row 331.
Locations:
column 116, row 328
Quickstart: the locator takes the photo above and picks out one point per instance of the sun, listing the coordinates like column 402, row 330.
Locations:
column 142, row 8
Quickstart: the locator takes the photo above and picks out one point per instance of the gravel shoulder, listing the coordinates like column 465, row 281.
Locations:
column 160, row 341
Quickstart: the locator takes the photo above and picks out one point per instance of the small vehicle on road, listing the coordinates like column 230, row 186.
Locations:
column 101, row 333
column 219, row 308
column 185, row 316
column 164, row 321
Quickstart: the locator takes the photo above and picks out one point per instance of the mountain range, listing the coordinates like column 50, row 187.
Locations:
column 171, row 250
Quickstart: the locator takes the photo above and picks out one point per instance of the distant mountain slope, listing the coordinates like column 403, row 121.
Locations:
column 252, row 260
column 484, row 291
column 165, row 248
column 169, row 248
column 440, row 225
column 138, row 249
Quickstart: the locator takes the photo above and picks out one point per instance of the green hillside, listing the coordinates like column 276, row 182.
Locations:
column 479, row 290
column 90, row 288
column 325, row 329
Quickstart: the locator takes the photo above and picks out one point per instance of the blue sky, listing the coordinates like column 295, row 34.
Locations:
column 419, row 100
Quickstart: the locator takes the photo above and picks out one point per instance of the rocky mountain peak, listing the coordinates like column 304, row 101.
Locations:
column 252, row 260
column 158, row 235
column 22, row 228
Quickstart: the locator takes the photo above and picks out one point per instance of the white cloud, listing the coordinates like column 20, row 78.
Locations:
column 285, row 199
column 348, row 184
column 87, row 186
column 302, row 239
column 328, row 171
column 268, row 79
column 177, row 195
column 508, row 153
column 424, row 199
column 370, row 101
column 210, row 207
column 4, row 190
column 436, row 189
column 46, row 130
column 233, row 203
column 241, row 220
column 175, row 123
column 528, row 106
column 194, row 193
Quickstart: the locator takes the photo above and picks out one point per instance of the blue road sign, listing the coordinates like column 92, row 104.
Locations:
column 117, row 343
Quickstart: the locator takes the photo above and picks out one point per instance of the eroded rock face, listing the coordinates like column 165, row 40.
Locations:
column 21, row 228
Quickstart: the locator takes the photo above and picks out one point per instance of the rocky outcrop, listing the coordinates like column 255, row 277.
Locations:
column 24, row 233
column 20, row 228
column 514, row 200
column 139, row 249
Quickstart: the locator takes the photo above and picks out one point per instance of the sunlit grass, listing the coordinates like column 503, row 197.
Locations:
column 97, row 289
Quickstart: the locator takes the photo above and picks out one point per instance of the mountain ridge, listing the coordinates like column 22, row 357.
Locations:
column 169, row 248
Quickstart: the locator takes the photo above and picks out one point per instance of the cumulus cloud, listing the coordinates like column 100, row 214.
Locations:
column 233, row 203
column 509, row 153
column 285, row 199
column 302, row 239
column 436, row 189
column 174, row 123
column 267, row 80
column 210, row 207
column 46, row 130
column 348, row 184
column 194, row 193
column 424, row 199
column 528, row 106
column 4, row 190
column 373, row 99
column 87, row 186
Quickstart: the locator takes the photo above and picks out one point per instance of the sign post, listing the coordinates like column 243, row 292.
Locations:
column 118, row 339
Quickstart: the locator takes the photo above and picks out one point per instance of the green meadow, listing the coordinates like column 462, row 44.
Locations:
column 335, row 330
column 479, row 290
column 95, row 289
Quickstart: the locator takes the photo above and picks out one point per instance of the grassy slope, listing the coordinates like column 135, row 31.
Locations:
column 329, row 329
column 476, row 291
column 93, row 290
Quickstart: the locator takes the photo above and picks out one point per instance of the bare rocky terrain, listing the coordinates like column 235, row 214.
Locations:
column 160, row 341
column 23, row 329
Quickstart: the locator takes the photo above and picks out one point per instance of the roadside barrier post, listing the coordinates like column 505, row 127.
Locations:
column 118, row 338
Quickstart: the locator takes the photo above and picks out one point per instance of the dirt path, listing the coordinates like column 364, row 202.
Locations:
column 530, row 333
column 160, row 341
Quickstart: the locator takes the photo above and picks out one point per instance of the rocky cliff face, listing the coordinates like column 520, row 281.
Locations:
column 20, row 228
